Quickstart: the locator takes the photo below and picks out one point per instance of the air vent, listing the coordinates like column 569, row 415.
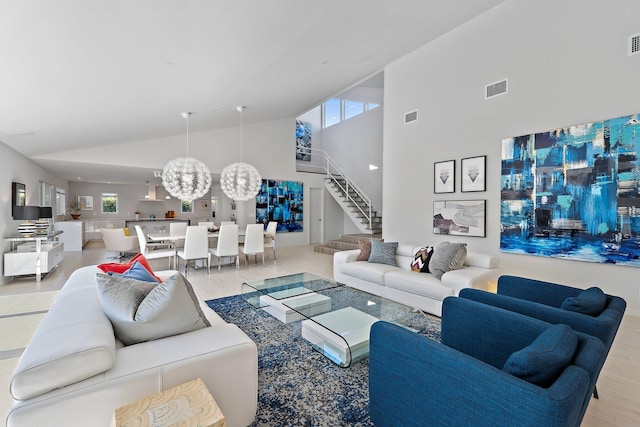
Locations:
column 157, row 174
column 411, row 116
column 634, row 44
column 495, row 89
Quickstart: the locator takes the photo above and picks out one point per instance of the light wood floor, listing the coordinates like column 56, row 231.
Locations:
column 618, row 385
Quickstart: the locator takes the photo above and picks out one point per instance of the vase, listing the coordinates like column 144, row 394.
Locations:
column 75, row 216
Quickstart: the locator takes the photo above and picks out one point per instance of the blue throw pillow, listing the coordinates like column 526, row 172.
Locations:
column 590, row 301
column 542, row 361
column 383, row 252
column 137, row 271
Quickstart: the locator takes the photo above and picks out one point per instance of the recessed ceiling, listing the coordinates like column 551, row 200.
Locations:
column 88, row 73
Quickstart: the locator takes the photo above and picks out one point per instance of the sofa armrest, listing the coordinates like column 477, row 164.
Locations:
column 346, row 256
column 223, row 356
column 469, row 277
column 417, row 382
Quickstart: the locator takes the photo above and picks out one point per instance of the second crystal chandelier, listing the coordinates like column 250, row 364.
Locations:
column 240, row 181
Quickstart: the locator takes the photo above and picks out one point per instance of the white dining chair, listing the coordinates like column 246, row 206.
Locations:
column 270, row 236
column 178, row 229
column 227, row 244
column 227, row 222
column 156, row 253
column 196, row 246
column 253, row 242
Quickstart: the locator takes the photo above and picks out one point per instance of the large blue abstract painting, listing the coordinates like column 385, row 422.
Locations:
column 280, row 201
column 574, row 193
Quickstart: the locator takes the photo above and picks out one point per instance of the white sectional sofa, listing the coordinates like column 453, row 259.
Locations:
column 421, row 290
column 74, row 372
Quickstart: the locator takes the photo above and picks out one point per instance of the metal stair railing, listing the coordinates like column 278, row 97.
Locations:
column 345, row 184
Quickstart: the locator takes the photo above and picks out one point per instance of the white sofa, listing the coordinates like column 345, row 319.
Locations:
column 75, row 373
column 401, row 284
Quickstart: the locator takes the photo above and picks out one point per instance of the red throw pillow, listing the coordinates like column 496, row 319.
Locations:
column 115, row 267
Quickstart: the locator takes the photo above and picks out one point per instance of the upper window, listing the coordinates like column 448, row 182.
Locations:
column 336, row 110
column 109, row 203
column 332, row 112
column 352, row 108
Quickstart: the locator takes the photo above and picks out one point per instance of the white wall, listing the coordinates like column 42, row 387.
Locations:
column 269, row 146
column 357, row 142
column 16, row 167
column 567, row 64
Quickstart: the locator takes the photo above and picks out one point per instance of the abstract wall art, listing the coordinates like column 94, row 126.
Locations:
column 444, row 177
column 460, row 217
column 573, row 193
column 280, row 201
column 472, row 174
column 303, row 141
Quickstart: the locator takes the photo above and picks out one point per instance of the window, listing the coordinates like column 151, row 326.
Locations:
column 336, row 110
column 109, row 203
column 331, row 112
column 61, row 201
column 187, row 206
column 352, row 108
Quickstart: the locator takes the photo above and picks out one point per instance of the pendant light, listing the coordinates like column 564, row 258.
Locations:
column 240, row 181
column 186, row 178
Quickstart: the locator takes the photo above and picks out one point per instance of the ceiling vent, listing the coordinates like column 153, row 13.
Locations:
column 411, row 116
column 495, row 89
column 634, row 44
column 157, row 174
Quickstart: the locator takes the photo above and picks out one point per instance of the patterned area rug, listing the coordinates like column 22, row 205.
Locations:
column 298, row 386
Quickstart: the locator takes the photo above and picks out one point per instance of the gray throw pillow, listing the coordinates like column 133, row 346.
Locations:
column 142, row 311
column 446, row 257
column 383, row 252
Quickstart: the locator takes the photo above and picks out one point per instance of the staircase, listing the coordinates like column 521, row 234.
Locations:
column 355, row 204
column 347, row 242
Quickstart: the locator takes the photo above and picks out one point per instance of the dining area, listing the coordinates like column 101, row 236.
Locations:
column 196, row 245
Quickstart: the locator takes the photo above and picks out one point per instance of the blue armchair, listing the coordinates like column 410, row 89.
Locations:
column 414, row 381
column 542, row 300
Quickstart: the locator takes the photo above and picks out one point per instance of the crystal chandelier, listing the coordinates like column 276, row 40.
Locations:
column 186, row 178
column 240, row 181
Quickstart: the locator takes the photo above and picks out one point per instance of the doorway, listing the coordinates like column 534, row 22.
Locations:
column 316, row 212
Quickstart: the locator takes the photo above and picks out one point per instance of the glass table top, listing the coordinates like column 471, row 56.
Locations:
column 283, row 287
column 337, row 317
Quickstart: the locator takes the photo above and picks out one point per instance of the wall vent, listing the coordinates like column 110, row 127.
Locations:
column 634, row 44
column 495, row 89
column 411, row 116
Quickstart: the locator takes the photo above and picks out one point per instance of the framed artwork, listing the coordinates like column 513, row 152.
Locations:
column 472, row 174
column 460, row 217
column 573, row 192
column 281, row 201
column 85, row 203
column 444, row 177
column 303, row 141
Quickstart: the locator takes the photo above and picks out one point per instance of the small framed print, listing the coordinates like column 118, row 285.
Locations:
column 85, row 203
column 472, row 174
column 444, row 177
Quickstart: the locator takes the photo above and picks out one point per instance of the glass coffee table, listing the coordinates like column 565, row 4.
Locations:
column 336, row 319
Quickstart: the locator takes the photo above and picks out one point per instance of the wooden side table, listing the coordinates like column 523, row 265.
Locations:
column 188, row 405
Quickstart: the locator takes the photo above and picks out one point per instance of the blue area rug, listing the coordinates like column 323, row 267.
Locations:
column 298, row 386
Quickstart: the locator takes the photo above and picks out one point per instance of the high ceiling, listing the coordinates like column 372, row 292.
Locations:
column 87, row 73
